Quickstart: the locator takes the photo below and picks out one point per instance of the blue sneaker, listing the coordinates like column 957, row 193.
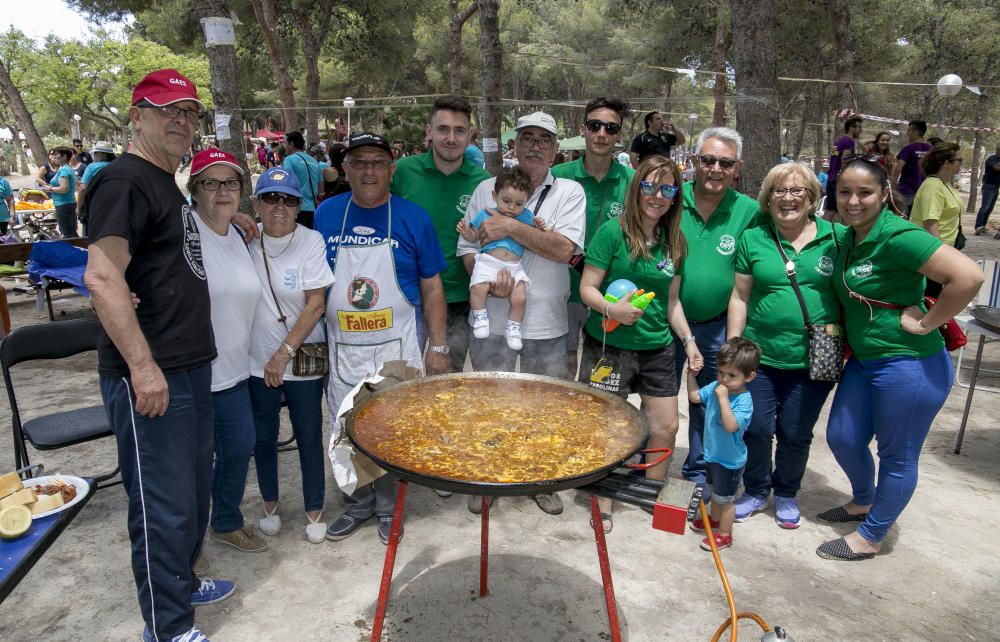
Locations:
column 747, row 505
column 193, row 635
column 211, row 591
column 786, row 512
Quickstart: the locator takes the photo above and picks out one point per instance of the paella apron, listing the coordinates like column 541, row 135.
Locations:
column 369, row 319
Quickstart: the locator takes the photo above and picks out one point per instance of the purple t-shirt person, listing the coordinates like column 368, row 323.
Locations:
column 843, row 147
column 911, row 175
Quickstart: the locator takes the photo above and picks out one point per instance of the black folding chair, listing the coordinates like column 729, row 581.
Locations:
column 61, row 429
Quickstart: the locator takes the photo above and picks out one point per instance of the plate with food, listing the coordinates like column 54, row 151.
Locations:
column 46, row 495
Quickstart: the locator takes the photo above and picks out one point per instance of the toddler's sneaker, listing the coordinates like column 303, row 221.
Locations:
column 513, row 335
column 212, row 591
column 698, row 526
column 786, row 512
column 747, row 505
column 721, row 542
column 480, row 324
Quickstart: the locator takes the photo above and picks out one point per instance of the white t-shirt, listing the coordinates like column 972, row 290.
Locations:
column 297, row 263
column 564, row 208
column 234, row 289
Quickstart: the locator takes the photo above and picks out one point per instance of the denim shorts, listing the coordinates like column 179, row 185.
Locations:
column 724, row 482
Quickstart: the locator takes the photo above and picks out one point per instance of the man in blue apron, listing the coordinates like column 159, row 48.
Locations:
column 386, row 260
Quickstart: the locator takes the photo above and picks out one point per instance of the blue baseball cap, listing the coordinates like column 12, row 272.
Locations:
column 277, row 179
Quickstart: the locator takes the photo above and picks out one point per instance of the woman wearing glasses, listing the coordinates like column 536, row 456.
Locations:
column 291, row 263
column 215, row 184
column 900, row 373
column 645, row 246
column 937, row 207
column 765, row 308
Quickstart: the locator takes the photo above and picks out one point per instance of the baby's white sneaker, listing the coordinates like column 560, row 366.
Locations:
column 480, row 324
column 513, row 335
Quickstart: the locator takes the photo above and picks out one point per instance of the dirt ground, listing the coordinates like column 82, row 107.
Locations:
column 936, row 578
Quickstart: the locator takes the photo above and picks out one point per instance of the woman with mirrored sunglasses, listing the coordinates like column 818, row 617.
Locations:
column 291, row 263
column 214, row 185
column 764, row 308
column 629, row 341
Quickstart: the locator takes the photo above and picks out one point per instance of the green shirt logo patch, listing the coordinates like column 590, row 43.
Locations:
column 666, row 266
column 463, row 203
column 863, row 269
column 727, row 245
column 825, row 266
column 615, row 210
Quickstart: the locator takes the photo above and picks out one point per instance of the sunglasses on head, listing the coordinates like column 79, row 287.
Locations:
column 272, row 198
column 710, row 161
column 594, row 125
column 668, row 192
column 868, row 158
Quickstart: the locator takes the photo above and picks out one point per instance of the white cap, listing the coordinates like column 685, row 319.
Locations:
column 104, row 147
column 538, row 119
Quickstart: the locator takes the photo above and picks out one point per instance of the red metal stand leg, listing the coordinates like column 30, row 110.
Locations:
column 390, row 560
column 484, row 548
column 602, row 557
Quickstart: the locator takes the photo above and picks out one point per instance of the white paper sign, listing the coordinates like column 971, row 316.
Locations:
column 222, row 126
column 491, row 145
column 218, row 31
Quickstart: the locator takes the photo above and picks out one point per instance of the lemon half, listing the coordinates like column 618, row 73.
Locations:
column 14, row 521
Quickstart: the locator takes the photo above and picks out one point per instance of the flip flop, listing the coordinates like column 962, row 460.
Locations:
column 607, row 523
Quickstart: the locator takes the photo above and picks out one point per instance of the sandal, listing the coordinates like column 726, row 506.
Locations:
column 607, row 522
column 270, row 523
column 838, row 549
column 839, row 515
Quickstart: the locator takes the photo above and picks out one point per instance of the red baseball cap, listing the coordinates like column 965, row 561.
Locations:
column 165, row 87
column 208, row 157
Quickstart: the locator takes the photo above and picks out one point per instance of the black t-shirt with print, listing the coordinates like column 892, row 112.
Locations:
column 138, row 201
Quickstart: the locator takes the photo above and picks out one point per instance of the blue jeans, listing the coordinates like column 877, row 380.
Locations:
column 305, row 409
column 989, row 200
column 235, row 437
column 786, row 404
column 895, row 401
column 709, row 335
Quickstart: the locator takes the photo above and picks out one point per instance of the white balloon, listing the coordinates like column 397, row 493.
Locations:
column 949, row 85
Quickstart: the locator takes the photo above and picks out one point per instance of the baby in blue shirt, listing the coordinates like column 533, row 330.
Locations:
column 512, row 190
column 728, row 409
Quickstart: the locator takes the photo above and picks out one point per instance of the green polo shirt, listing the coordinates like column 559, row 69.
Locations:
column 709, row 269
column 445, row 198
column 608, row 250
column 605, row 200
column 884, row 267
column 774, row 316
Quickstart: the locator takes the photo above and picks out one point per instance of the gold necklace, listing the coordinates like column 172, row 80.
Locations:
column 283, row 250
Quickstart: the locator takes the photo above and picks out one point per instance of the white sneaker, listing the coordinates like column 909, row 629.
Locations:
column 513, row 335
column 316, row 529
column 480, row 324
column 270, row 523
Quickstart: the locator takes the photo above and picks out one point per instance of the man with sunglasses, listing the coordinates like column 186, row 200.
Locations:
column 846, row 146
column 155, row 359
column 713, row 219
column 659, row 137
column 605, row 182
column 308, row 172
column 442, row 181
column 82, row 154
column 561, row 206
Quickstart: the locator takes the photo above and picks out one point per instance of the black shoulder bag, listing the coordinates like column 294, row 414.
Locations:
column 826, row 341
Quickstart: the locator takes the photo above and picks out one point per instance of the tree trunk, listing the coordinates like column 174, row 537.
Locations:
column 756, row 86
column 820, row 146
column 226, row 93
column 458, row 20
column 264, row 11
column 977, row 148
column 314, row 27
column 492, row 53
column 721, row 46
column 22, row 117
column 841, row 18
column 801, row 134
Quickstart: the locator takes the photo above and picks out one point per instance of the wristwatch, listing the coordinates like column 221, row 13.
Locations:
column 686, row 340
column 289, row 349
column 442, row 349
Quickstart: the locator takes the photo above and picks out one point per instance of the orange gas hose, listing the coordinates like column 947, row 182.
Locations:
column 734, row 617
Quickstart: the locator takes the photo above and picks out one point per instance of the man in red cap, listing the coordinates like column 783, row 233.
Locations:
column 154, row 359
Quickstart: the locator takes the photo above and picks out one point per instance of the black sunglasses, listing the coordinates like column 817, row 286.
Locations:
column 594, row 125
column 272, row 198
column 710, row 161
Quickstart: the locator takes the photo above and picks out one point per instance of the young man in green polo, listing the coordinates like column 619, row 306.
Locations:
column 713, row 220
column 441, row 181
column 605, row 183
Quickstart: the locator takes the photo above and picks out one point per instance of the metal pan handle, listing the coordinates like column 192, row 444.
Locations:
column 659, row 460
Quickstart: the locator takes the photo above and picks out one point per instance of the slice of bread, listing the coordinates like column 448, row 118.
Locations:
column 24, row 496
column 10, row 484
column 46, row 503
